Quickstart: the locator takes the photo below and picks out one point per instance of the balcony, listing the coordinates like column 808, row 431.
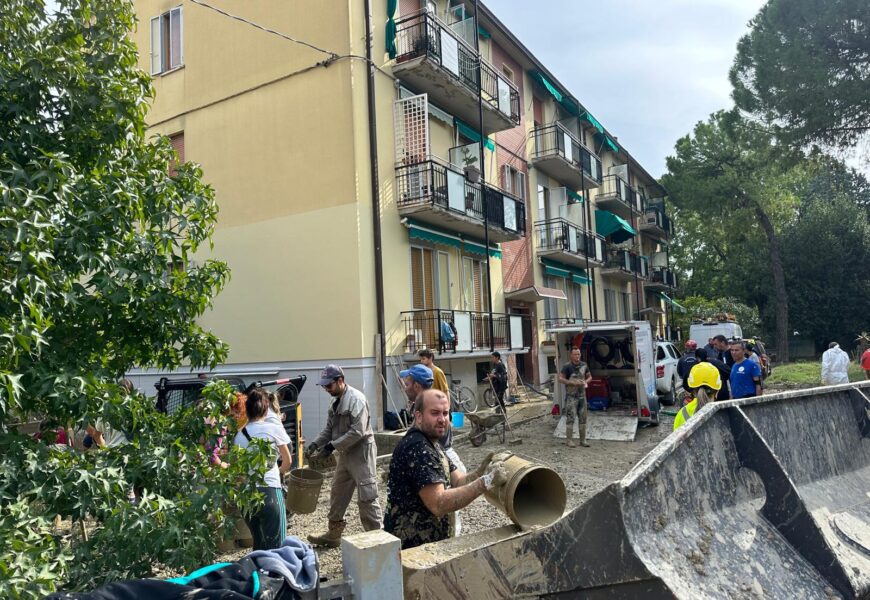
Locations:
column 568, row 243
column 626, row 266
column 434, row 193
column 561, row 156
column 657, row 224
column 662, row 279
column 435, row 60
column 463, row 332
column 617, row 196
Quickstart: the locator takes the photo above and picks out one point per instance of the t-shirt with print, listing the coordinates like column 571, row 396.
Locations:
column 416, row 463
column 269, row 431
column 743, row 375
column 578, row 371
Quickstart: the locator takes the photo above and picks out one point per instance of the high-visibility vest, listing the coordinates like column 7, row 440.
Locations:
column 684, row 413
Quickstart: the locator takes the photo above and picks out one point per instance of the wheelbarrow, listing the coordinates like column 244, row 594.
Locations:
column 484, row 421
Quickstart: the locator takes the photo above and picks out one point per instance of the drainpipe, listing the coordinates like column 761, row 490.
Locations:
column 586, row 237
column 483, row 176
column 594, row 304
column 376, row 210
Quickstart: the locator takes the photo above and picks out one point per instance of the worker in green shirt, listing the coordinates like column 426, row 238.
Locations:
column 703, row 381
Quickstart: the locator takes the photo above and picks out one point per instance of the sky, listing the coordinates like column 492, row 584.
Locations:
column 648, row 70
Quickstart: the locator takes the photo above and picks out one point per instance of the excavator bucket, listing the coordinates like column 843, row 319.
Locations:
column 760, row 498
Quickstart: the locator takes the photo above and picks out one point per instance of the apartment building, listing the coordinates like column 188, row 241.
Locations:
column 493, row 204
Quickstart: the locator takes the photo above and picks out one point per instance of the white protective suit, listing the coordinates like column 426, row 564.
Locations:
column 835, row 366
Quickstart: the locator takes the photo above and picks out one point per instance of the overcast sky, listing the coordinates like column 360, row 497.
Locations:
column 648, row 70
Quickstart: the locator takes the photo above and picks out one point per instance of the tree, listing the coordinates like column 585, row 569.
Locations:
column 731, row 177
column 805, row 68
column 97, row 243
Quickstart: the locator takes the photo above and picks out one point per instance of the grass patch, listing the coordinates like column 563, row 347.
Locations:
column 807, row 373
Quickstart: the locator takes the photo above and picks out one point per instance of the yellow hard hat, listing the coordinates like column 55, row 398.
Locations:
column 704, row 374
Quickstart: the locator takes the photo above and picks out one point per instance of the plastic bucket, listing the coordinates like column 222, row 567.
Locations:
column 533, row 496
column 303, row 490
column 457, row 419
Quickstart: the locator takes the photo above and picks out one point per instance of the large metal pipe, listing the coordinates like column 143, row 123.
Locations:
column 376, row 211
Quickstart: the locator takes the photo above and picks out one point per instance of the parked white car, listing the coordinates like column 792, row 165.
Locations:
column 667, row 379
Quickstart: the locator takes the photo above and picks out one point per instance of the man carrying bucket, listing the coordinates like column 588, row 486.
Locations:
column 425, row 487
column 348, row 430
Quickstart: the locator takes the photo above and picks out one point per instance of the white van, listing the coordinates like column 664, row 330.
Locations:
column 701, row 332
column 622, row 352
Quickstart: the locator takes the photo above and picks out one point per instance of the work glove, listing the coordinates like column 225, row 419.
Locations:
column 310, row 450
column 496, row 475
column 327, row 450
column 502, row 456
column 480, row 470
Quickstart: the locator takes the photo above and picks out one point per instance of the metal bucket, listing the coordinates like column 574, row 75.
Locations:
column 533, row 496
column 303, row 490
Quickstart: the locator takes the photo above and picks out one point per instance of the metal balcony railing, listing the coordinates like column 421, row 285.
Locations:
column 421, row 34
column 654, row 216
column 664, row 276
column 559, row 234
column 555, row 140
column 614, row 186
column 463, row 331
column 426, row 183
column 629, row 262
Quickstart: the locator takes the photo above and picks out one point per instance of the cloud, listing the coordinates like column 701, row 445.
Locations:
column 648, row 70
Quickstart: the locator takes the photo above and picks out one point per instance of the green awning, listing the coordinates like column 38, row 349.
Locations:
column 574, row 196
column 537, row 76
column 557, row 269
column 391, row 27
column 483, row 33
column 570, row 106
column 606, row 139
column 672, row 302
column 593, row 121
column 607, row 223
column 433, row 235
column 473, row 134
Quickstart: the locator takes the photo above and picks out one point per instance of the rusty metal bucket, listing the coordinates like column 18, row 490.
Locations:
column 533, row 496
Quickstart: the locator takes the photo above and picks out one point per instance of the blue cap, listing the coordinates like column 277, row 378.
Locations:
column 329, row 374
column 419, row 373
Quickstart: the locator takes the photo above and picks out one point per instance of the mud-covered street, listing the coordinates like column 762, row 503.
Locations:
column 584, row 470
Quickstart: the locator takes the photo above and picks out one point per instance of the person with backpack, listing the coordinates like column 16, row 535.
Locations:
column 269, row 524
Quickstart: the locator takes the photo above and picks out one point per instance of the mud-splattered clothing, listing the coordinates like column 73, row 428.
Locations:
column 416, row 463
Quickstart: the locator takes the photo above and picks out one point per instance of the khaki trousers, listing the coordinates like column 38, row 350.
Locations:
column 355, row 470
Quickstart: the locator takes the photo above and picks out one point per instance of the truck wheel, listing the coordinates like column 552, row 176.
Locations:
column 671, row 396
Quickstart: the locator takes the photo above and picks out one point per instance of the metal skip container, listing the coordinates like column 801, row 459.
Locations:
column 534, row 495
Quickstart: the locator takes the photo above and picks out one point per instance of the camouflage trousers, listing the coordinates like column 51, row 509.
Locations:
column 575, row 407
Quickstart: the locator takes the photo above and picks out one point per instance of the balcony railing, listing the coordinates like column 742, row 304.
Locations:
column 664, row 276
column 431, row 183
column 561, row 235
column 614, row 187
column 654, row 218
column 629, row 262
column 424, row 35
column 555, row 140
column 462, row 331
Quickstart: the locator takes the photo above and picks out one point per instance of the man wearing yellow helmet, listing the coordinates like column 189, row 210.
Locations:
column 705, row 380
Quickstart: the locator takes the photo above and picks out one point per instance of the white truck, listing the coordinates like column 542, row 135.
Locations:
column 702, row 331
column 622, row 354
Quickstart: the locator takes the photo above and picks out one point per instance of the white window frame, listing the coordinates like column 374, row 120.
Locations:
column 462, row 269
column 514, row 181
column 437, row 256
column 157, row 62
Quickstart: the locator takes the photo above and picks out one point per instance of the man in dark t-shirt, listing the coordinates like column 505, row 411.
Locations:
column 499, row 378
column 575, row 376
column 425, row 488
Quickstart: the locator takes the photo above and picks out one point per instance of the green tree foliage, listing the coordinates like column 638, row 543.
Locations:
column 805, row 67
column 727, row 182
column 97, row 243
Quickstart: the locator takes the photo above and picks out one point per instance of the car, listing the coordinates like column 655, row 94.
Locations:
column 668, row 380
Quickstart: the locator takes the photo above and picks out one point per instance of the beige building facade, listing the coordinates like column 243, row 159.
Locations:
column 281, row 123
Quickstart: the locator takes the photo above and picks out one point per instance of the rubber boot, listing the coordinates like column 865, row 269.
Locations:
column 569, row 435
column 583, row 441
column 332, row 537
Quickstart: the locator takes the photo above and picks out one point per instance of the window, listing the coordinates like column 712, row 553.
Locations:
column 430, row 279
column 543, row 199
column 551, row 305
column 513, row 181
column 627, row 311
column 610, row 308
column 507, row 72
column 177, row 141
column 575, row 299
column 473, row 283
column 166, row 42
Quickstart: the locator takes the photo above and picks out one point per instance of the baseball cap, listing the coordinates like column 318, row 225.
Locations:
column 419, row 373
column 691, row 345
column 329, row 374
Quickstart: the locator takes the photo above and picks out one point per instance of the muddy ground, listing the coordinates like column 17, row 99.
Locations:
column 584, row 470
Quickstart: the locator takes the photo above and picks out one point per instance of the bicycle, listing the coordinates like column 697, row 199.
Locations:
column 462, row 398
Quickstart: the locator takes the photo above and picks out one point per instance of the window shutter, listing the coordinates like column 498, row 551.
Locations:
column 417, row 278
column 177, row 142
column 175, row 32
column 428, row 280
column 506, row 182
column 520, row 192
column 478, row 286
column 156, row 59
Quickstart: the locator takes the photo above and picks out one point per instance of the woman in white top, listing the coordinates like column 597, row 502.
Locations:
column 269, row 524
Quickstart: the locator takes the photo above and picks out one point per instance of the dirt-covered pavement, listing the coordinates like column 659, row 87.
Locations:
column 584, row 470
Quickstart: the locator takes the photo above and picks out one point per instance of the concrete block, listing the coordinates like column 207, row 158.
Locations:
column 373, row 560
